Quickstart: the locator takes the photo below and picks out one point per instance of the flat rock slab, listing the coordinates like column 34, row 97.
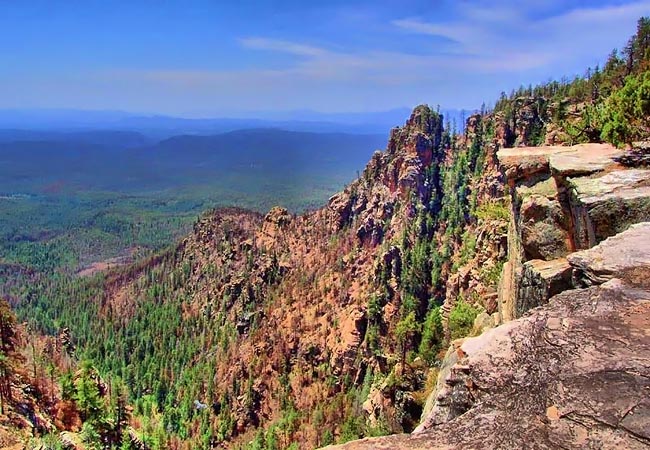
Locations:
column 522, row 162
column 623, row 184
column 584, row 159
column 574, row 374
column 606, row 205
column 625, row 256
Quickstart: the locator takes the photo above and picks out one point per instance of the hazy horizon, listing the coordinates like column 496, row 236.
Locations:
column 202, row 59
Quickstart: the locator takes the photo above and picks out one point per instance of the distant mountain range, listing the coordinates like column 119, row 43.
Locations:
column 131, row 161
column 161, row 126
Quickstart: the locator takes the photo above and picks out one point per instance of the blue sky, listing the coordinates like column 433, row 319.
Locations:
column 217, row 58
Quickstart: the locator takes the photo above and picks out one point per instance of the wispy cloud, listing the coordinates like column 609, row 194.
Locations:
column 293, row 48
column 518, row 39
column 458, row 56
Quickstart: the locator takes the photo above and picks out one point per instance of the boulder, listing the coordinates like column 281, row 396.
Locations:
column 540, row 281
column 625, row 256
column 608, row 204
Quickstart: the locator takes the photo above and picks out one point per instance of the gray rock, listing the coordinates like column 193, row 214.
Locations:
column 625, row 256
column 609, row 204
column 540, row 281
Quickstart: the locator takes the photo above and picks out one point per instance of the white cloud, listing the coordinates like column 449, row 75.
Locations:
column 605, row 16
column 257, row 43
column 508, row 34
column 484, row 51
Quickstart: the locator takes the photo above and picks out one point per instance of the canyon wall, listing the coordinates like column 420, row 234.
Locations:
column 569, row 364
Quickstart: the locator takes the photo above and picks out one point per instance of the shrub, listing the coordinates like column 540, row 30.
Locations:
column 627, row 111
column 432, row 336
column 493, row 210
column 467, row 250
column 490, row 274
column 461, row 319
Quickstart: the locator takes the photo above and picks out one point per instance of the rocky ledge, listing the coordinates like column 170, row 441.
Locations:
column 574, row 373
column 564, row 199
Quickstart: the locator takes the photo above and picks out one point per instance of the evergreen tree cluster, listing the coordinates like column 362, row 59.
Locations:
column 608, row 104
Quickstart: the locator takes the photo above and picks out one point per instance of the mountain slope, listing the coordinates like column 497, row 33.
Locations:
column 274, row 305
column 289, row 331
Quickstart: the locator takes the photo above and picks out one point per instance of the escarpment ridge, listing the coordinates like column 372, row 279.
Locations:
column 477, row 290
column 571, row 370
column 330, row 325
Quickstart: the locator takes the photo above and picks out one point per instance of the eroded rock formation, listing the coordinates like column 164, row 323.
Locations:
column 571, row 359
column 564, row 199
column 574, row 373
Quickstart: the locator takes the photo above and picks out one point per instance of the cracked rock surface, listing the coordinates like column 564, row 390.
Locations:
column 574, row 374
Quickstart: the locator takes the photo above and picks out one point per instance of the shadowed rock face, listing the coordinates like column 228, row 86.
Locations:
column 572, row 374
column 606, row 205
column 563, row 199
column 540, row 281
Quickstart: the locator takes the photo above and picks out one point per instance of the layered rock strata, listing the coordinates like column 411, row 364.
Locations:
column 563, row 199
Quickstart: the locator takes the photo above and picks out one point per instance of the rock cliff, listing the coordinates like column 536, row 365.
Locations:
column 298, row 313
column 333, row 324
column 571, row 359
column 574, row 372
column 563, row 199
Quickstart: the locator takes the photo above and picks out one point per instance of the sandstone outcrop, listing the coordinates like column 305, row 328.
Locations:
column 572, row 360
column 582, row 159
column 608, row 204
column 575, row 372
column 564, row 199
column 625, row 256
column 391, row 178
column 524, row 125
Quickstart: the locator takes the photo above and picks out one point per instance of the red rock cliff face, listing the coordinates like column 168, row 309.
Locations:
column 296, row 289
column 414, row 147
column 391, row 178
column 567, row 364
